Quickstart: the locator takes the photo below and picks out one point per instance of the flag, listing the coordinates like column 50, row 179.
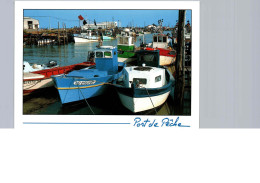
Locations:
column 80, row 17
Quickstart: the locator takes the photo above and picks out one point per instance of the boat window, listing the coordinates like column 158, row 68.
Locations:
column 138, row 81
column 108, row 54
column 164, row 39
column 172, row 53
column 158, row 78
column 160, row 39
column 148, row 58
column 120, row 40
column 125, row 40
column 99, row 54
column 114, row 52
column 155, row 39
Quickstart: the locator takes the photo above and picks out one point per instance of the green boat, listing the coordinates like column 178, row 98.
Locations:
column 125, row 47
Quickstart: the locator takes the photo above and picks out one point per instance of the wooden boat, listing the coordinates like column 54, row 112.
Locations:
column 146, row 86
column 88, row 83
column 167, row 55
column 38, row 78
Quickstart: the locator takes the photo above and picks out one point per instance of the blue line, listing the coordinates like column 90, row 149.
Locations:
column 79, row 123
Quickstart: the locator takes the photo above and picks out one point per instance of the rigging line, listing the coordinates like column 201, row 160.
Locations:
column 86, row 101
column 56, row 18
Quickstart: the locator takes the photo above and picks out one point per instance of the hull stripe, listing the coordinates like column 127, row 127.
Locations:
column 72, row 88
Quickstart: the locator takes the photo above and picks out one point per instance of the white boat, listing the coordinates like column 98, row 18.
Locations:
column 85, row 37
column 27, row 67
column 33, row 81
column 147, row 33
column 144, row 87
column 46, row 41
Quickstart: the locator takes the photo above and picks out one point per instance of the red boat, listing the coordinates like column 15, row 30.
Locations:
column 40, row 79
column 160, row 42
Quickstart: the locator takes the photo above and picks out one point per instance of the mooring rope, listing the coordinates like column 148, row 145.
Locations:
column 67, row 91
column 150, row 99
column 81, row 94
column 86, row 101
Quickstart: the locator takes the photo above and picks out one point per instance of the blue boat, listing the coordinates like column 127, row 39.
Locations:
column 90, row 82
column 145, row 86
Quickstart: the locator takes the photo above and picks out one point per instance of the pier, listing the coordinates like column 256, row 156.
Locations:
column 60, row 36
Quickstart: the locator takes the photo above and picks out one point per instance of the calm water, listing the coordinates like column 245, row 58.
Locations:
column 48, row 102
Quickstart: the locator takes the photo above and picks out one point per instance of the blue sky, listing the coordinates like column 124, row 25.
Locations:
column 126, row 17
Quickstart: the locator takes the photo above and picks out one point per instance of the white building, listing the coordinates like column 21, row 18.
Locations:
column 103, row 25
column 30, row 23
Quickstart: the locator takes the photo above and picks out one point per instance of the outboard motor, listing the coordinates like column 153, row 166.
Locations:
column 52, row 63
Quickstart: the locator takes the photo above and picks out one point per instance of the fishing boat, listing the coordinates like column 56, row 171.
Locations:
column 147, row 32
column 85, row 37
column 37, row 77
column 145, row 86
column 27, row 67
column 126, row 47
column 107, row 35
column 161, row 42
column 87, row 83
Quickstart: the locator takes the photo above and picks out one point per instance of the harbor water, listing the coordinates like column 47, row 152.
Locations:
column 48, row 102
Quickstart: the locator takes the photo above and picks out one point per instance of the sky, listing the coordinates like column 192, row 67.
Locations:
column 50, row 18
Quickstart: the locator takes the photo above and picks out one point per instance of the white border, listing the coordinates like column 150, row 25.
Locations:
column 192, row 120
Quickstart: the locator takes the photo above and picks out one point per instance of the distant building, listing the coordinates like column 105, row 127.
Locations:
column 103, row 25
column 30, row 23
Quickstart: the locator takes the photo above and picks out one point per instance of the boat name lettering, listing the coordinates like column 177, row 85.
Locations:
column 31, row 82
column 165, row 122
column 91, row 82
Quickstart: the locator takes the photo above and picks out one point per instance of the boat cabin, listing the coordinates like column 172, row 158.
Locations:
column 144, row 77
column 148, row 57
column 106, row 59
column 160, row 41
column 125, row 40
column 86, row 33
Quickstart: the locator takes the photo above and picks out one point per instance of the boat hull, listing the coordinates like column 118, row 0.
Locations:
column 126, row 53
column 84, row 40
column 138, row 104
column 30, row 86
column 126, row 60
column 71, row 90
column 143, row 99
column 107, row 38
column 166, row 60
